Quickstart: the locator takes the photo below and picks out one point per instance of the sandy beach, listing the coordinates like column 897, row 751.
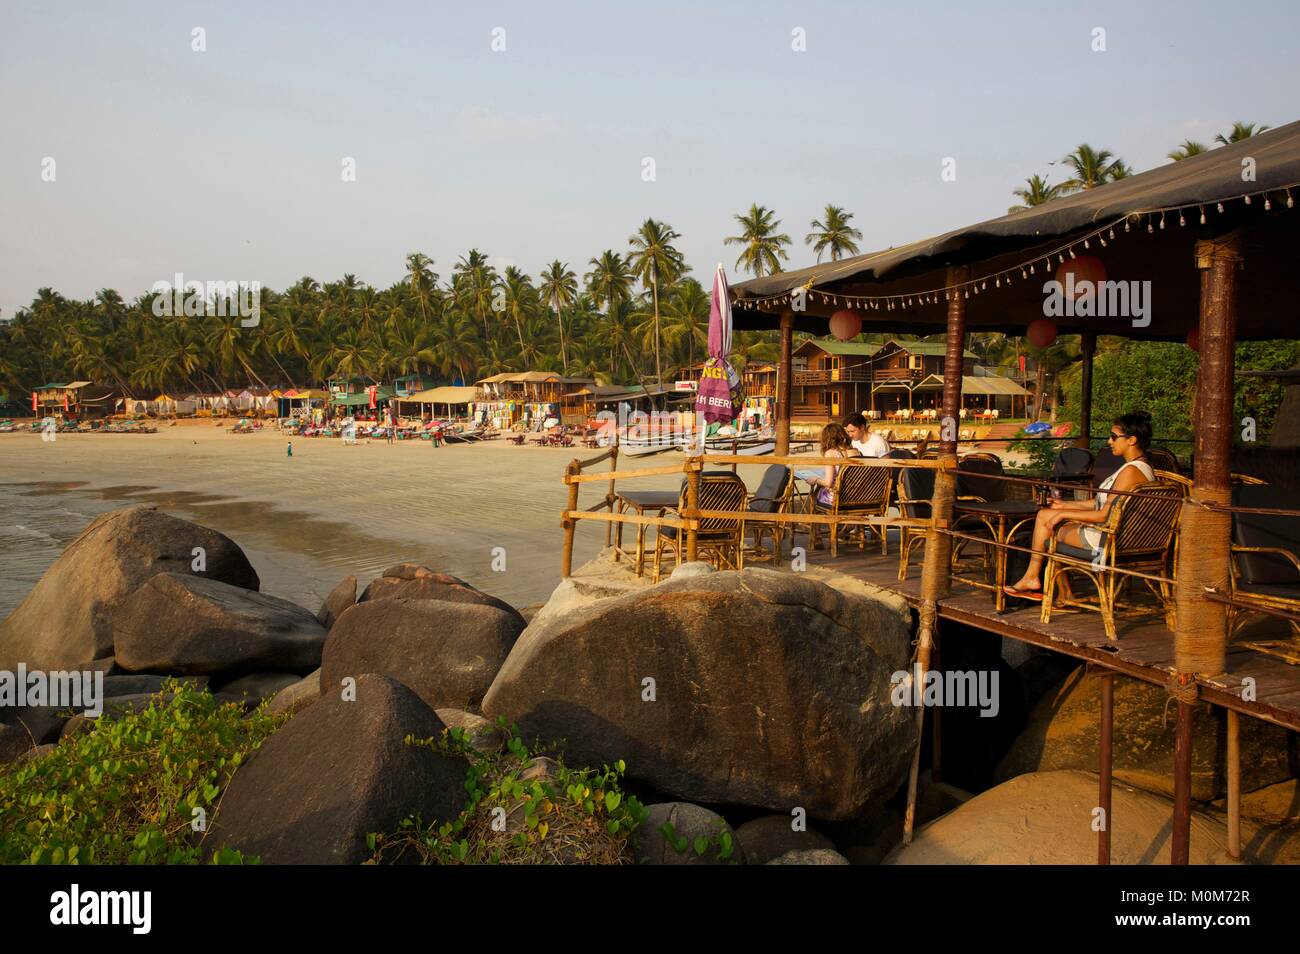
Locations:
column 308, row 520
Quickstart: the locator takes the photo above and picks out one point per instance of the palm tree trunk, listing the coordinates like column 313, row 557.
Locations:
column 564, row 354
column 654, row 290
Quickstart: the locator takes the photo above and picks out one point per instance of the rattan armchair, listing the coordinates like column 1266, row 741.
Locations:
column 860, row 490
column 1265, row 556
column 718, row 536
column 1139, row 534
column 774, row 495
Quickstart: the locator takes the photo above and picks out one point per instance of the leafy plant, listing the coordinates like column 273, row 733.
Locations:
column 572, row 816
column 721, row 841
column 126, row 791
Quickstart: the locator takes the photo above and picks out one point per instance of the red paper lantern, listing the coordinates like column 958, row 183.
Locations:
column 845, row 324
column 1084, row 268
column 1194, row 339
column 1041, row 332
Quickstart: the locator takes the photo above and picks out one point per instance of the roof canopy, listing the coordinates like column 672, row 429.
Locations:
column 443, row 395
column 1156, row 220
column 973, row 385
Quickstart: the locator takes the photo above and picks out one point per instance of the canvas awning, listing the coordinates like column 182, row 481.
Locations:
column 363, row 398
column 449, row 394
column 974, row 385
column 1268, row 294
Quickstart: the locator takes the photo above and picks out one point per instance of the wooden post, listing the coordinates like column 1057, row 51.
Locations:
column 935, row 571
column 1201, row 630
column 1088, row 348
column 568, row 523
column 1104, row 764
column 1234, row 785
column 693, row 468
column 783, row 387
column 611, row 496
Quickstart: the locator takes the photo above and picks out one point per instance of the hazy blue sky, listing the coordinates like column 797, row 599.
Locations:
column 225, row 164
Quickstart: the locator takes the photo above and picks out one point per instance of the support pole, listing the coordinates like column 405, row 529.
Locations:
column 784, row 387
column 1088, row 348
column 693, row 468
column 612, row 497
column 569, row 523
column 1201, row 627
column 1234, row 785
column 935, row 571
column 1104, row 764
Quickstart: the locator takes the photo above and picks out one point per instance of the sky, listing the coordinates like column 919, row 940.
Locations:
column 542, row 131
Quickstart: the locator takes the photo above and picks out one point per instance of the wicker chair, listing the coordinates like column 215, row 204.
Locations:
column 974, row 484
column 860, row 490
column 1178, row 480
column 1265, row 555
column 1161, row 459
column 720, row 536
column 915, row 492
column 774, row 494
column 1139, row 534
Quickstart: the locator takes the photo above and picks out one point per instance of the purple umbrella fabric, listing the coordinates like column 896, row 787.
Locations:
column 720, row 398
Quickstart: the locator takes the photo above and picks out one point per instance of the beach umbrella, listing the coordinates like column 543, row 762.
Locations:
column 720, row 398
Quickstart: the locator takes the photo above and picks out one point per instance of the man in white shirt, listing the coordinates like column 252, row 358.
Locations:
column 868, row 444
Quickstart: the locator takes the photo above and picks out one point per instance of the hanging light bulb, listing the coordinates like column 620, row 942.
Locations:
column 1103, row 242
column 1072, row 255
column 1290, row 202
column 1023, row 273
column 1248, row 200
column 1220, row 206
column 1162, row 220
column 997, row 283
column 1268, row 204
column 1150, row 228
column 984, row 284
column 1112, row 233
column 1181, row 221
column 1202, row 215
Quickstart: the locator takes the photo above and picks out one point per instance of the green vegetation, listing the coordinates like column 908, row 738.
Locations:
column 573, row 816
column 129, row 788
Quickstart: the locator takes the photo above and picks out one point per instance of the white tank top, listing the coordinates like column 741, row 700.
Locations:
column 1109, row 482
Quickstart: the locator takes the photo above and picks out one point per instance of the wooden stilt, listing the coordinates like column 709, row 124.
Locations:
column 569, row 524
column 1104, row 764
column 693, row 509
column 784, row 388
column 1234, row 785
column 1181, row 848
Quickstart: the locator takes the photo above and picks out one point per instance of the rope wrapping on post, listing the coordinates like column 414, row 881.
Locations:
column 1203, row 562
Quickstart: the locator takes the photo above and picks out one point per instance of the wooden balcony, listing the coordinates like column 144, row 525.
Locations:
column 858, row 374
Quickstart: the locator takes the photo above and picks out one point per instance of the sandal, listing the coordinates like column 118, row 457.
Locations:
column 1034, row 596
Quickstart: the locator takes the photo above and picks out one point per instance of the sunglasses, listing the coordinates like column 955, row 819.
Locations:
column 1116, row 437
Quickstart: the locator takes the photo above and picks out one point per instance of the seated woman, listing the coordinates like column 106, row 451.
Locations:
column 1069, row 520
column 835, row 442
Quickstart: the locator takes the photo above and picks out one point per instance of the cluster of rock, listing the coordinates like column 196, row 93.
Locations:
column 753, row 709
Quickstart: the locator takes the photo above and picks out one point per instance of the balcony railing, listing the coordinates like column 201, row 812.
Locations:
column 857, row 374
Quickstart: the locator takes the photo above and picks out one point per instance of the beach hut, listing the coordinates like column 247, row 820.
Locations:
column 1216, row 251
column 450, row 402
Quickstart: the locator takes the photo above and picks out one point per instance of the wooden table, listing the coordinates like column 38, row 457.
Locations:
column 641, row 501
column 1002, row 518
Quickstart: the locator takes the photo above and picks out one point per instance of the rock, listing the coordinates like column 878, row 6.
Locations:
column 483, row 735
column 447, row 652
column 15, row 741
column 692, row 569
column 293, row 699
column 260, row 685
column 75, row 726
column 1046, row 818
column 769, row 690
column 1062, row 733
column 131, row 685
column 339, row 599
column 529, row 611
column 193, row 625
column 651, row 845
column 68, row 616
column 771, row 836
column 42, row 723
column 1273, row 805
column 336, row 772
column 811, row 856
column 411, row 582
column 39, row 752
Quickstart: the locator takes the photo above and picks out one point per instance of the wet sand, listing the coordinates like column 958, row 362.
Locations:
column 308, row 520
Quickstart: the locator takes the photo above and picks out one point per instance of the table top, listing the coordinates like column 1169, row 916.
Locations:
column 647, row 499
column 1009, row 507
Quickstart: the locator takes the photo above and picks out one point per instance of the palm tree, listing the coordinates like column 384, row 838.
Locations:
column 653, row 259
column 835, row 234
column 762, row 251
column 559, row 288
column 422, row 280
column 520, row 296
column 1189, row 148
column 1035, row 191
column 473, row 282
column 610, row 285
column 688, row 319
column 1091, row 168
column 1239, row 132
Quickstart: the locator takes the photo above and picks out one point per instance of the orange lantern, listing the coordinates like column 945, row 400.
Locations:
column 845, row 324
column 1084, row 269
column 1041, row 332
column 1194, row 339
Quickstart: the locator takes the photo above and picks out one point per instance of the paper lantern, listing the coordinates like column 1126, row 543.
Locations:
column 1041, row 332
column 1194, row 339
column 1084, row 268
column 845, row 324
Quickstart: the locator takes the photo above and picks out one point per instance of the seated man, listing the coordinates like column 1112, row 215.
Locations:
column 868, row 443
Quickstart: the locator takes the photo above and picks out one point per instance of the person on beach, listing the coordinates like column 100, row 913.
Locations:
column 1073, row 522
column 835, row 442
column 868, row 442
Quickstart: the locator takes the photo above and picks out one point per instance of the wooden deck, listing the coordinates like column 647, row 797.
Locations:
column 1144, row 649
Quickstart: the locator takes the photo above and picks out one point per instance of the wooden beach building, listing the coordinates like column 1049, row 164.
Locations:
column 1194, row 253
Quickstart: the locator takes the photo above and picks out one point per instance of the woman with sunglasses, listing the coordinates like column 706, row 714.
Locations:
column 1073, row 522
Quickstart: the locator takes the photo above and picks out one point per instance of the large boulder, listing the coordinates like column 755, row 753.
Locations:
column 679, row 833
column 410, row 582
column 68, row 616
column 810, row 856
column 340, row 598
column 335, row 772
column 771, row 836
column 1047, row 818
column 192, row 625
column 1062, row 733
column 759, row 688
column 447, row 652
column 295, row 698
